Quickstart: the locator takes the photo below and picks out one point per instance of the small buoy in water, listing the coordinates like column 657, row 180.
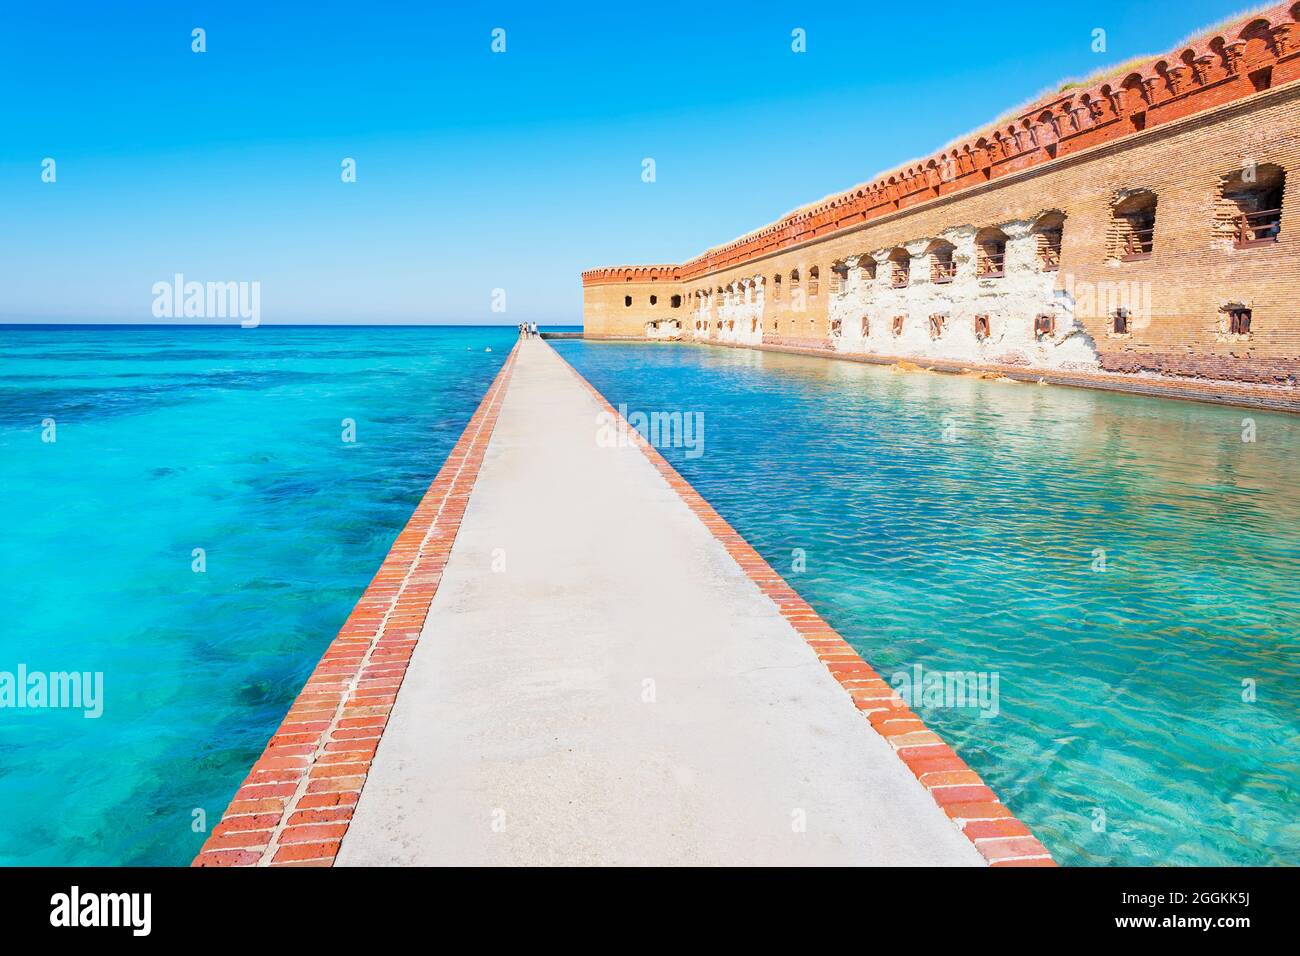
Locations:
column 488, row 349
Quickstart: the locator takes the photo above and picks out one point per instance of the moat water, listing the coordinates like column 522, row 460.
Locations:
column 1125, row 567
column 230, row 440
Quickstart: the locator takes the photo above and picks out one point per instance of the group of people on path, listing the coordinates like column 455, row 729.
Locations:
column 528, row 330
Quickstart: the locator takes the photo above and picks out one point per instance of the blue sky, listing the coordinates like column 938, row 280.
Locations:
column 475, row 170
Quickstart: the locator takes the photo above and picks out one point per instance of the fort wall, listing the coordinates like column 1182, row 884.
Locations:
column 1147, row 225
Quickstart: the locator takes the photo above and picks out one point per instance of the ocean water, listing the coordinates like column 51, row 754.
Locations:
column 1127, row 567
column 168, row 440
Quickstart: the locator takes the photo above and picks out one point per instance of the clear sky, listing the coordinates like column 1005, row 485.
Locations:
column 475, row 171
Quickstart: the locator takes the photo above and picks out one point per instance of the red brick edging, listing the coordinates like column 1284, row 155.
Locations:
column 998, row 835
column 296, row 803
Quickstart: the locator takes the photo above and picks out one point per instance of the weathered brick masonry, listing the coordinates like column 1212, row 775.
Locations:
column 1148, row 223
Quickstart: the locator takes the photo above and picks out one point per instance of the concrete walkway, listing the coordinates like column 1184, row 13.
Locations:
column 598, row 682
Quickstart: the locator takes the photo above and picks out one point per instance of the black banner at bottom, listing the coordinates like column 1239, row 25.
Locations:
column 371, row 906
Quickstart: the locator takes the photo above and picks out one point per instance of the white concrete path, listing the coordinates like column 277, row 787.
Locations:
column 523, row 733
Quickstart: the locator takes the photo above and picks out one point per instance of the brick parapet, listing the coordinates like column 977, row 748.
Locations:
column 618, row 274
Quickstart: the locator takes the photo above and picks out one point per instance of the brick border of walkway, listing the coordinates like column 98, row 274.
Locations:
column 1001, row 838
column 295, row 805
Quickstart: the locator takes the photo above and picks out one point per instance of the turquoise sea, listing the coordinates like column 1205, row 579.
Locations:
column 168, row 440
column 949, row 523
column 1126, row 567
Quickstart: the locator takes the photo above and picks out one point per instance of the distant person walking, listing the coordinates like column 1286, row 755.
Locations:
column 532, row 329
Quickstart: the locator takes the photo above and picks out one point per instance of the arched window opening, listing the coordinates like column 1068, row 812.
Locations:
column 943, row 268
column 981, row 327
column 654, row 300
column 1133, row 227
column 898, row 325
column 627, row 301
column 794, row 279
column 753, row 325
column 1250, row 205
column 900, row 264
column 1044, row 325
column 1048, row 232
column 814, row 278
column 1120, row 319
column 867, row 267
column 991, row 253
column 937, row 323
column 776, row 287
column 837, row 328
column 866, row 326
column 675, row 302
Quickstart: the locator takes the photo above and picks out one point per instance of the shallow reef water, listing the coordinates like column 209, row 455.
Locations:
column 1125, row 567
column 169, row 440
